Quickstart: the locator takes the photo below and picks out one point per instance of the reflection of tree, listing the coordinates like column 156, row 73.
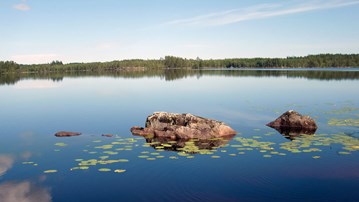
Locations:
column 174, row 74
column 23, row 192
column 5, row 164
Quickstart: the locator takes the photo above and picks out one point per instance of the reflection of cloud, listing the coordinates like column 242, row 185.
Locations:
column 37, row 84
column 26, row 155
column 5, row 164
column 22, row 7
column 23, row 192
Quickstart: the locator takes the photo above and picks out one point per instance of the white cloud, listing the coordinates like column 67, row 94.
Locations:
column 22, row 7
column 261, row 11
column 34, row 58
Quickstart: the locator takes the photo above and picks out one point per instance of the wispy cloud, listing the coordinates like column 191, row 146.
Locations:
column 262, row 11
column 22, row 7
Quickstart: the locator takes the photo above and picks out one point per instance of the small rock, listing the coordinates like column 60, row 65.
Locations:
column 292, row 124
column 66, row 134
column 107, row 135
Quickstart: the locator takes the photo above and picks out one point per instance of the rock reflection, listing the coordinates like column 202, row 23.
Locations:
column 6, row 163
column 192, row 146
column 293, row 133
column 23, row 192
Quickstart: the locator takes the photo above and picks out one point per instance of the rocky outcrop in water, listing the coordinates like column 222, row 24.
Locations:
column 291, row 123
column 66, row 134
column 182, row 126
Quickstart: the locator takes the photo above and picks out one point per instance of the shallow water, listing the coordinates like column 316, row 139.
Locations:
column 258, row 164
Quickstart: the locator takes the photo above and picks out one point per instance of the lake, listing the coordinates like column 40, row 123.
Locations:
column 258, row 164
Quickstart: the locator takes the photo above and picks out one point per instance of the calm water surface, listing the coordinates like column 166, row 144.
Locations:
column 259, row 164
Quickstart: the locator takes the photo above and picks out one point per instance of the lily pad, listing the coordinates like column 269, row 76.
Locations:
column 60, row 144
column 50, row 171
column 119, row 171
column 104, row 169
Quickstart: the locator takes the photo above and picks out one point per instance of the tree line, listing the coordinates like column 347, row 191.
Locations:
column 172, row 62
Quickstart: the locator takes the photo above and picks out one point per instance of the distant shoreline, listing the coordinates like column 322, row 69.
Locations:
column 171, row 62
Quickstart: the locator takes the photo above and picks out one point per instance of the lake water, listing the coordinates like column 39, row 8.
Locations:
column 258, row 164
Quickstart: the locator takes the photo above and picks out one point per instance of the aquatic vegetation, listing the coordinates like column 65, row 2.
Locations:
column 104, row 170
column 343, row 110
column 343, row 122
column 107, row 146
column 119, row 171
column 50, row 171
column 60, row 144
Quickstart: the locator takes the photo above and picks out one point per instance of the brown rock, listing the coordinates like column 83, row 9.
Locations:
column 291, row 122
column 66, row 134
column 107, row 135
column 182, row 126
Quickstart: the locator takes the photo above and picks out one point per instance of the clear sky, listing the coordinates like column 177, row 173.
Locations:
column 39, row 31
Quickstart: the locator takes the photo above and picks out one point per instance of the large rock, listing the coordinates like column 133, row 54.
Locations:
column 66, row 134
column 182, row 126
column 292, row 121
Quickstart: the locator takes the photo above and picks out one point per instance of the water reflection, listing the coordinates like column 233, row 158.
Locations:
column 6, row 162
column 293, row 133
column 174, row 74
column 23, row 192
column 191, row 146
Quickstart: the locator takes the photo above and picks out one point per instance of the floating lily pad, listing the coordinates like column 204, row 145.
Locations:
column 60, row 144
column 50, row 171
column 215, row 157
column 119, row 171
column 316, row 157
column 104, row 170
column 160, row 157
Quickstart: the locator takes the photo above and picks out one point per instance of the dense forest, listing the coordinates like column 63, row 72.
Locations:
column 171, row 62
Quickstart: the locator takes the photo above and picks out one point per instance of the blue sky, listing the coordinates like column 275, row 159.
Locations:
column 39, row 31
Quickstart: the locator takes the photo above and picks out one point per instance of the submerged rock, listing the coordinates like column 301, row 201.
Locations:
column 107, row 135
column 182, row 126
column 291, row 123
column 66, row 134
